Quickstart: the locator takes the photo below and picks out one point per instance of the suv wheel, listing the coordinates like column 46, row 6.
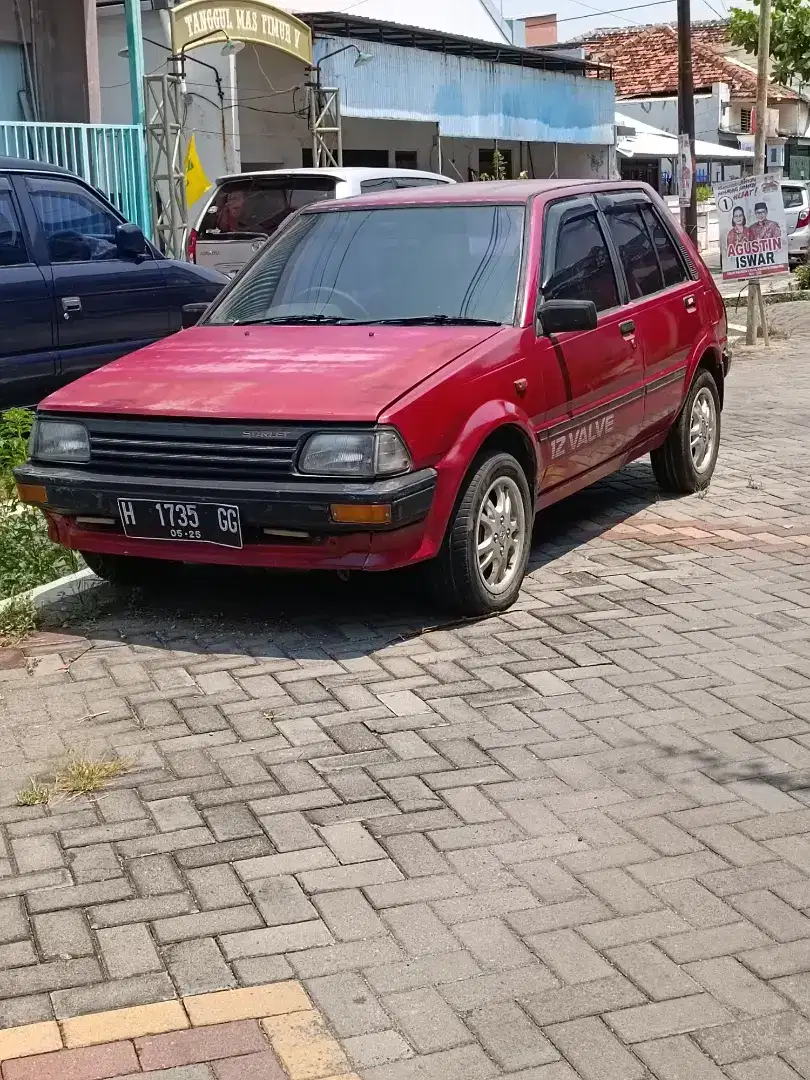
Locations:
column 125, row 571
column 686, row 461
column 483, row 560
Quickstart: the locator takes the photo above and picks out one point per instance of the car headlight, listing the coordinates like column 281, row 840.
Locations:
column 59, row 440
column 361, row 454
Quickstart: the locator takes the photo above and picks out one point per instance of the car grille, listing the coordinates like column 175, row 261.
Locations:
column 193, row 449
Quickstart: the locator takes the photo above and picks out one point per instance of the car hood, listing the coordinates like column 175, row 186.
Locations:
column 334, row 373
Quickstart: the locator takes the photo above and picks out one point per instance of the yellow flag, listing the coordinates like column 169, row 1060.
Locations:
column 197, row 183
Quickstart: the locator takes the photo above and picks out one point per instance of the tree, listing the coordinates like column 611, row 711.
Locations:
column 790, row 37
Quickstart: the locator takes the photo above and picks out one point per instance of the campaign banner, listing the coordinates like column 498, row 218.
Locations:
column 753, row 232
column 686, row 172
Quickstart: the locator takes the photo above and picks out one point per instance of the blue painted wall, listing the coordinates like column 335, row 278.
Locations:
column 469, row 98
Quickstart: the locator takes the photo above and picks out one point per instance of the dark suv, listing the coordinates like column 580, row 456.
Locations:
column 79, row 286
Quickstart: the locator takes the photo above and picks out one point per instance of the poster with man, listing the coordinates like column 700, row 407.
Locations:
column 753, row 233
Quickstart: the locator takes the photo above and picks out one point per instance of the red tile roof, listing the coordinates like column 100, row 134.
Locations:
column 645, row 63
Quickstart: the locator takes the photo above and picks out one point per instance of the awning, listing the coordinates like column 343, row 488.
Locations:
column 652, row 142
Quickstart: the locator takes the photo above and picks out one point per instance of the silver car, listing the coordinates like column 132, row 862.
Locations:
column 796, row 199
column 245, row 209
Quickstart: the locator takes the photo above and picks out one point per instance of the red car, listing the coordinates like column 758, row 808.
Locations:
column 399, row 378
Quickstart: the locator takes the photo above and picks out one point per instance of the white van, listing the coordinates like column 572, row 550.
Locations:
column 246, row 208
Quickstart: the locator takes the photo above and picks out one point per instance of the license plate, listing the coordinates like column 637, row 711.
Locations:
column 205, row 523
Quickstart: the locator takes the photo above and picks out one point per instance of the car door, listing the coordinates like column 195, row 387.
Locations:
column 105, row 305
column 665, row 303
column 28, row 361
column 592, row 380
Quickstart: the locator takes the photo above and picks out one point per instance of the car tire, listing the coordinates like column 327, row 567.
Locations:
column 463, row 578
column 685, row 463
column 125, row 571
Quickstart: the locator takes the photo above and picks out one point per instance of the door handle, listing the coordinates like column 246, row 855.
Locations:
column 690, row 303
column 71, row 303
column 627, row 327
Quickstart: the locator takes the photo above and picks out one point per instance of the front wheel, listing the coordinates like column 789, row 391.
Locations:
column 686, row 461
column 483, row 559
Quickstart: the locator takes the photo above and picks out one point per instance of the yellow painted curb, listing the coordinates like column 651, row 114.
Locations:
column 296, row 1030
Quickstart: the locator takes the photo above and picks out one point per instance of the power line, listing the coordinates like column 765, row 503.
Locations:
column 613, row 11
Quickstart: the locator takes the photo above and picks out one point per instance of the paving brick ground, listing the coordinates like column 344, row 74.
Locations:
column 571, row 841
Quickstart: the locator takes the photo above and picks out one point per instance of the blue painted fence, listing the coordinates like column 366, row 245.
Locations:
column 110, row 157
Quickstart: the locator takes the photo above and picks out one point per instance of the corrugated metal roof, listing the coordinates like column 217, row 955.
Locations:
column 469, row 98
column 472, row 17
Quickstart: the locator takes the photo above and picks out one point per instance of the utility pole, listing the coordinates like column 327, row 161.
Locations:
column 686, row 107
column 754, row 304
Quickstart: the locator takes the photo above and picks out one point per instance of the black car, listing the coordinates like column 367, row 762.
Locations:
column 79, row 285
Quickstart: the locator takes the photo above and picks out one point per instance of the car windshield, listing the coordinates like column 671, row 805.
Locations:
column 252, row 206
column 393, row 264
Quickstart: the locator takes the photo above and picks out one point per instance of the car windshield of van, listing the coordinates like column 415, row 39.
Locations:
column 251, row 206
column 420, row 264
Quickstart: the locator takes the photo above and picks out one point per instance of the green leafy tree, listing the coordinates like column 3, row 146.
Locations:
column 790, row 37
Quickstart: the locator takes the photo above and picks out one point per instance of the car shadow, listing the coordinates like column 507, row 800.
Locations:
column 258, row 612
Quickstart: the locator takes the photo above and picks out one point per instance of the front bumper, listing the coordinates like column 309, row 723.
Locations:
column 269, row 513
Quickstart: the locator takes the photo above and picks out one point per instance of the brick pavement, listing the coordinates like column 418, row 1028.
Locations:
column 570, row 841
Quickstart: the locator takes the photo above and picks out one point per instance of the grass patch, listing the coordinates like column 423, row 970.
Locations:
column 34, row 793
column 27, row 556
column 79, row 776
column 75, row 776
column 17, row 619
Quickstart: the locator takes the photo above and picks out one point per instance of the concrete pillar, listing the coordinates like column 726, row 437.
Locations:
column 67, row 61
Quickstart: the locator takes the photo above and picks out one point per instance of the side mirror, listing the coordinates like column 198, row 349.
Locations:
column 565, row 316
column 130, row 241
column 190, row 314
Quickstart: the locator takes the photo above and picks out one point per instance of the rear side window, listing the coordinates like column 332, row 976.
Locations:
column 793, row 197
column 77, row 226
column 416, row 181
column 636, row 252
column 12, row 244
column 671, row 265
column 583, row 269
column 380, row 183
column 247, row 207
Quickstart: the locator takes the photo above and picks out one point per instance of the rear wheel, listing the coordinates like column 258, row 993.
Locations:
column 483, row 559
column 686, row 461
column 125, row 571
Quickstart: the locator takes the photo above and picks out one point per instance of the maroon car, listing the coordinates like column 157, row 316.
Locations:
column 400, row 378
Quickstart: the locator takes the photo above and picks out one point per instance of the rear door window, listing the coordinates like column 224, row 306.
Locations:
column 671, row 265
column 12, row 242
column 380, row 183
column 636, row 251
column 583, row 269
column 247, row 207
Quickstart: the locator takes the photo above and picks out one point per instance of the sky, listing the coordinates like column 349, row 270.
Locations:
column 577, row 17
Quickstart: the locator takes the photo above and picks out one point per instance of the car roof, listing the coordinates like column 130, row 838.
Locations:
column 490, row 191
column 13, row 164
column 338, row 172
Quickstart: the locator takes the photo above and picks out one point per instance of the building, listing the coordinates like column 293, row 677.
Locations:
column 644, row 60
column 50, row 75
column 422, row 96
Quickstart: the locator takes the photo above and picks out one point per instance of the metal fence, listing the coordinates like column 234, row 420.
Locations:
column 110, row 157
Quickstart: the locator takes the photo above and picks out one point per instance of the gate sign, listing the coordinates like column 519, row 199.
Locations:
column 204, row 22
column 753, row 232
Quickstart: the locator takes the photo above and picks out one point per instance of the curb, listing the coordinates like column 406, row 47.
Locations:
column 70, row 585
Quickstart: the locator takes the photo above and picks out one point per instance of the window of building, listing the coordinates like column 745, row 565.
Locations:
column 745, row 121
column 405, row 159
column 583, row 269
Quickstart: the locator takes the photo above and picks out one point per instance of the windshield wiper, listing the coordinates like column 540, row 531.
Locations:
column 433, row 320
column 296, row 320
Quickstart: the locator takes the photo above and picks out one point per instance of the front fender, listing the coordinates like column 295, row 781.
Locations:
column 454, row 466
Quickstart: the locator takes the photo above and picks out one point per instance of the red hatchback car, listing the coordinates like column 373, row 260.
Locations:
column 400, row 378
